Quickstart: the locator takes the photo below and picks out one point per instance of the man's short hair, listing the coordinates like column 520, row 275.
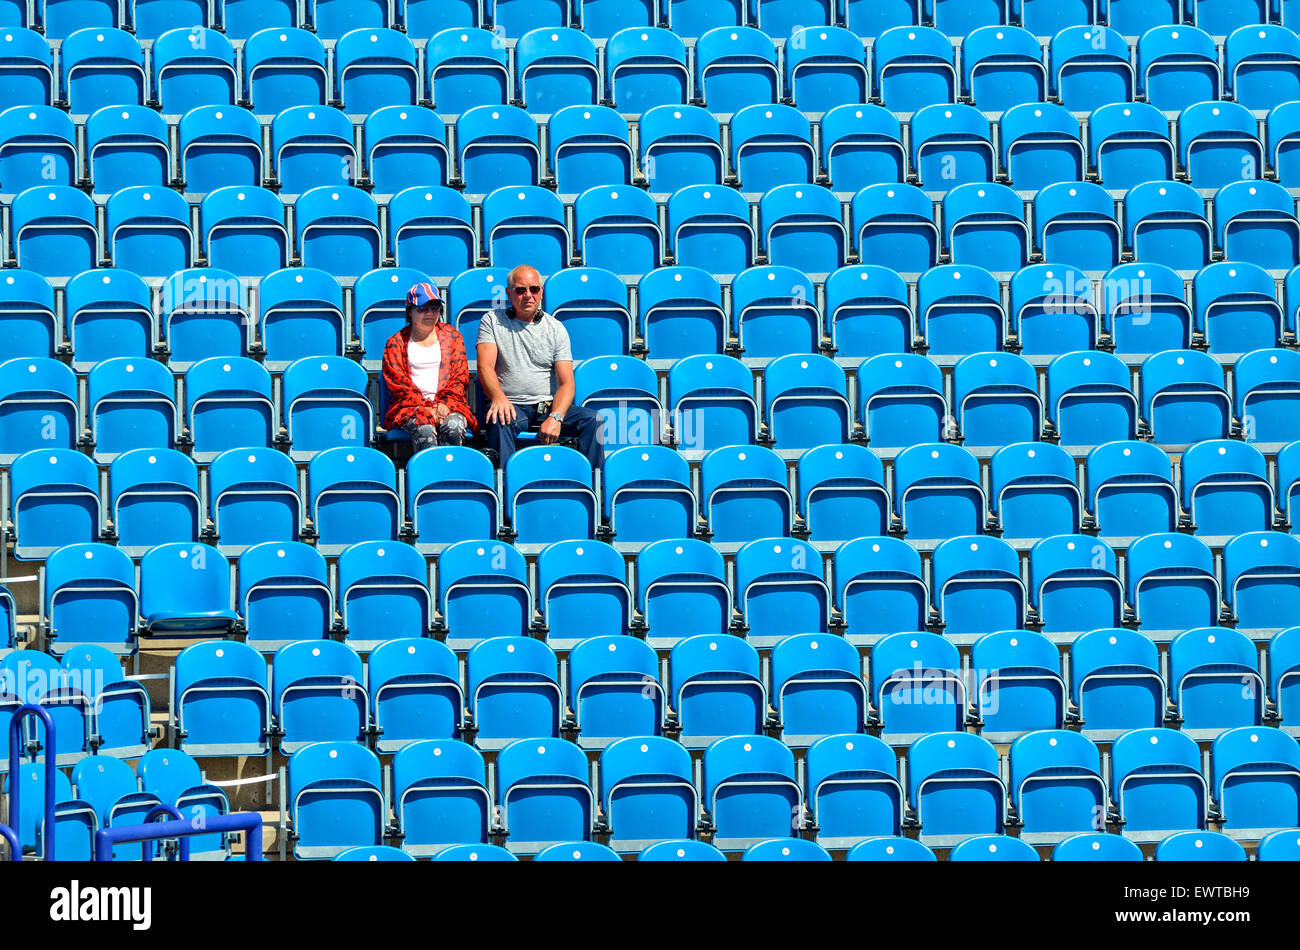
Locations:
column 514, row 271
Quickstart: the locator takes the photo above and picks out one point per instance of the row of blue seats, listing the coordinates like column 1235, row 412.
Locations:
column 910, row 67
column 332, row 19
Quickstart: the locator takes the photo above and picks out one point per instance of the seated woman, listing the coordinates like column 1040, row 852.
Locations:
column 427, row 375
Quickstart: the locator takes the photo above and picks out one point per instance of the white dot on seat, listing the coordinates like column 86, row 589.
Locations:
column 1113, row 641
column 1051, row 742
column 315, row 651
column 1015, row 642
column 875, row 549
column 748, row 747
column 1069, row 546
column 510, row 648
column 952, row 744
column 713, row 646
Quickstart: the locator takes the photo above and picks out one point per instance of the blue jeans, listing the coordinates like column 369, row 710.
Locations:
column 579, row 422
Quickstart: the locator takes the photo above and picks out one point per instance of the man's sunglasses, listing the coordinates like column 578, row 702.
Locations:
column 533, row 289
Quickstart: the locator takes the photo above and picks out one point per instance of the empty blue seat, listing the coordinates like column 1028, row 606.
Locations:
column 712, row 402
column 996, row 403
column 879, row 589
column 750, row 791
column 681, row 312
column 1075, row 224
column 804, row 402
column 784, row 17
column 993, row 848
column 709, row 228
column 825, row 66
column 512, row 689
column 556, row 66
column 1183, row 398
column 582, row 590
column 283, row 595
column 1164, row 223
column 1002, row 66
column 53, row 501
column 61, row 18
column 774, row 312
column 959, row 310
column 52, row 231
column 975, row 586
column 795, row 849
column 405, row 144
column 647, row 795
column 517, row 17
column 1178, row 66
column 242, row 229
column 101, row 67
column 771, row 145
column 817, row 689
column 498, row 146
column 336, row 799
column 1255, row 777
column 735, row 66
column 623, row 391
column 544, row 793
column 853, row 792
column 803, row 225
column 284, row 67
column 151, row 19
column 890, row 849
column 985, row 226
column 1282, row 135
column 1278, row 846
column 779, row 589
column 1214, row 681
column 175, row 778
column 1225, row 488
column 382, row 588
column 38, row 147
column 1115, row 681
column 715, row 689
column 1218, row 144
column 606, row 18
column 373, row 68
column 867, row 311
column 107, row 313
column 1019, row 690
column 1129, row 143
column 440, row 796
column 450, row 496
column 1145, row 311
column 1254, row 222
column 28, row 316
column 614, row 692
column 1156, row 783
column 1261, row 63
column 301, row 315
column 937, row 491
column 1032, row 490
column 1136, row 18
column 148, row 231
column 325, row 406
column 1263, row 384
column 1090, row 68
column 334, row 19
column 1074, row 584
column 647, row 494
column 1199, row 846
column 243, row 18
column 680, row 146
column 432, row 224
column 1052, row 311
column 861, row 145
column 219, row 145
column 192, row 66
column 185, row 591
column 90, row 598
column 912, row 67
column 1259, row 574
column 352, row 494
column 1284, row 676
column 464, row 68
column 547, row 494
column 38, row 406
column 472, row 293
column 893, row 226
column 253, row 496
column 951, row 146
column 901, row 401
column 337, row 229
column 153, row 499
column 319, row 694
column 26, row 64
column 1171, row 585
column 681, row 578
column 1041, row 144
column 131, row 404
column 645, row 66
column 482, row 586
column 204, row 313
column 617, row 229
column 588, row 146
column 956, row 775
column 111, row 789
column 870, row 19
column 525, row 222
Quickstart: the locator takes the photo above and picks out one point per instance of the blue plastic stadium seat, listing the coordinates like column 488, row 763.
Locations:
column 244, row 18
column 101, row 67
column 715, row 689
column 616, row 229
column 432, row 224
column 547, row 494
column 1145, row 311
column 219, row 145
column 450, row 496
column 1156, row 783
column 1170, row 584
column 951, row 146
column 543, row 790
column 623, row 391
column 38, row 147
column 607, row 18
column 474, row 852
column 1129, row 144
column 1137, row 17
column 1218, row 144
column 786, row 849
column 680, row 146
column 482, row 589
column 712, row 402
column 405, row 144
column 588, row 147
column 852, row 790
column 959, row 311
column 937, row 491
column 879, row 589
column 709, row 229
column 512, row 689
column 1263, row 385
column 108, row 313
column 1255, row 778
column 1130, row 491
column 817, row 688
column 374, row 68
column 976, row 586
column 471, row 293
column 825, row 66
column 148, row 231
column 253, row 496
column 319, row 694
column 1090, row 68
column 336, row 799
column 867, row 311
column 154, row 499
column 985, row 226
column 912, row 67
column 901, row 401
column 1284, row 676
column 334, row 19
column 647, row 795
column 131, row 404
column 995, row 401
column 525, row 222
column 614, row 691
column 1075, row 224
column 1178, row 66
column 52, row 231
column 750, row 791
column 284, row 68
column 301, row 315
column 1199, row 846
column 284, row 594
column 204, row 313
column 27, row 315
column 993, row 848
column 151, row 19
column 1225, row 488
column 581, row 591
column 26, row 63
column 1032, row 490
column 678, row 578
column 38, row 406
column 645, row 66
column 804, row 402
column 440, row 796
column 464, row 67
column 681, row 313
column 382, row 589
column 555, row 67
column 324, row 404
column 1052, row 311
column 959, row 19
column 803, row 225
column 1041, row 144
column 1282, row 135
column 894, row 227
column 1214, row 681
column 498, row 146
column 916, row 686
column 861, row 145
column 1002, row 66
column 1259, row 572
column 175, row 778
column 53, row 501
column 872, row 18
column 1183, row 398
column 1096, row 846
column 774, row 312
column 780, row 587
column 771, row 145
column 61, row 18
column 889, row 848
column 1074, row 585
column 735, row 66
column 1261, row 64
column 337, row 229
column 190, row 67
column 955, row 774
column 1019, row 690
column 90, row 598
column 352, row 496
column 185, row 591
column 1165, row 224
column 517, row 17
column 647, row 494
column 1255, row 223
column 110, row 788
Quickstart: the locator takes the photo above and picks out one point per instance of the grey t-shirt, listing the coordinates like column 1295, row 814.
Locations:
column 526, row 353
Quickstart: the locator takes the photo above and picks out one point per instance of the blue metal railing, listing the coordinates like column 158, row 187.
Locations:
column 15, row 786
column 154, row 830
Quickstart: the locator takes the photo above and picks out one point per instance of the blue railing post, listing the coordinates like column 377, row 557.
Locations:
column 15, row 786
column 246, row 821
column 157, row 813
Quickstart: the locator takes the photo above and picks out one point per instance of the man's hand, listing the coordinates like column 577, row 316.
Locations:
column 502, row 412
column 550, row 430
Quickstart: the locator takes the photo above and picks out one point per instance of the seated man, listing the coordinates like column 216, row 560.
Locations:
column 427, row 375
column 526, row 370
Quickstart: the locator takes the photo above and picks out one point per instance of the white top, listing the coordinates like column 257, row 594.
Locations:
column 425, row 361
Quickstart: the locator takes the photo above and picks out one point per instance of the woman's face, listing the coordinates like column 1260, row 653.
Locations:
column 424, row 318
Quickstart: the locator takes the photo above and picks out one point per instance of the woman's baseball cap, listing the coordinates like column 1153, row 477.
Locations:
column 422, row 294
